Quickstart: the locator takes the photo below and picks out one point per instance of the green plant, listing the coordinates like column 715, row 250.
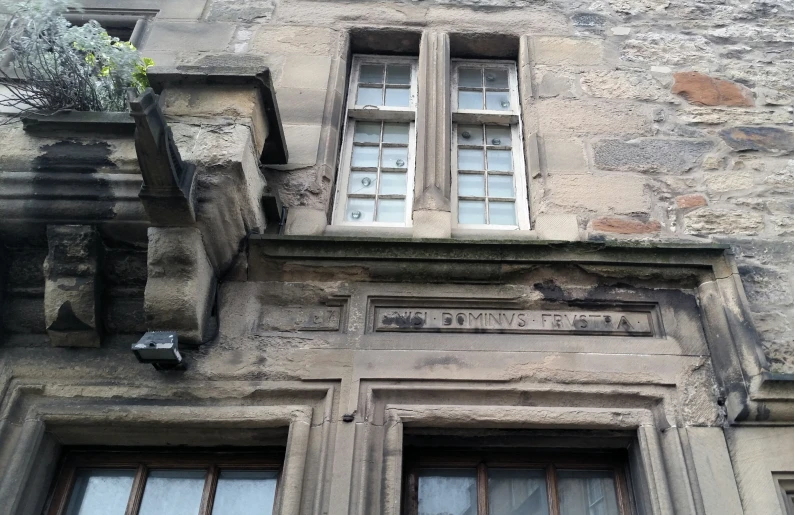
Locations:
column 55, row 65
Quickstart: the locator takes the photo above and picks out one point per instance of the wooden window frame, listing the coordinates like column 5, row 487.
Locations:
column 481, row 461
column 376, row 114
column 143, row 462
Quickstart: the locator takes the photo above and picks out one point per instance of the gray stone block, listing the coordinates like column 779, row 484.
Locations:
column 246, row 11
column 758, row 138
column 649, row 155
column 301, row 106
column 306, row 72
column 190, row 37
column 557, row 227
column 568, row 51
column 565, row 155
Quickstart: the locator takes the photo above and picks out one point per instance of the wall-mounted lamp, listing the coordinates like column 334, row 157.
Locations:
column 161, row 349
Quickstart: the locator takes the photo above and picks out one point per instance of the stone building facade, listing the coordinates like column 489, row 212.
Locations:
column 573, row 297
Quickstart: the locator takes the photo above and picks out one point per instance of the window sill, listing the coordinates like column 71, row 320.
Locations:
column 493, row 234
column 369, row 230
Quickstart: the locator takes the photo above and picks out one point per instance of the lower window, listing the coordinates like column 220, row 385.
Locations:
column 122, row 483
column 498, row 484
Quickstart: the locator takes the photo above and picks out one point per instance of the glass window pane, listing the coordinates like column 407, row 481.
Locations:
column 369, row 96
column 470, row 100
column 398, row 97
column 497, row 101
column 470, row 77
column 495, row 78
column 367, row 132
column 362, row 183
column 471, row 212
column 371, row 74
column 500, row 160
column 499, row 135
column 470, row 159
column 398, row 74
column 245, row 492
column 395, row 133
column 100, row 492
column 365, row 157
column 175, row 492
column 360, row 209
column 589, row 492
column 471, row 185
column 501, row 213
column 500, row 186
column 470, row 134
column 394, row 157
column 448, row 492
column 517, row 492
column 392, row 184
column 391, row 210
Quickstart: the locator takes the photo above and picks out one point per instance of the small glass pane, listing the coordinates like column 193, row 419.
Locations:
column 471, row 185
column 371, row 74
column 367, row 132
column 245, row 492
column 392, row 184
column 362, row 183
column 398, row 74
column 517, row 492
column 470, row 134
column 471, row 212
column 100, row 492
column 470, row 77
column 395, row 133
column 360, row 209
column 175, row 492
column 500, row 186
column 394, row 157
column 500, row 160
column 495, row 78
column 391, row 210
column 470, row 100
column 502, row 213
column 398, row 97
column 497, row 101
column 369, row 96
column 470, row 159
column 448, row 492
column 499, row 135
column 365, row 157
column 587, row 491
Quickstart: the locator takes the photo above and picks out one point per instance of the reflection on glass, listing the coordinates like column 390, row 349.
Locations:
column 517, row 492
column 365, row 157
column 367, row 132
column 587, row 492
column 471, row 212
column 471, row 185
column 175, row 492
column 395, row 133
column 245, row 492
column 392, row 184
column 448, row 492
column 100, row 492
column 469, row 100
column 495, row 78
column 394, row 157
column 470, row 159
column 500, row 160
column 497, row 101
column 362, row 182
column 391, row 210
column 398, row 97
column 368, row 96
column 470, row 134
column 470, row 77
column 398, row 74
column 360, row 209
column 498, row 135
column 371, row 74
column 502, row 213
column 500, row 186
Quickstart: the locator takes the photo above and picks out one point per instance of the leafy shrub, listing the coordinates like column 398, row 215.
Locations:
column 56, row 65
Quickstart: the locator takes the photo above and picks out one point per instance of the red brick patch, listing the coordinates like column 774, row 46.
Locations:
column 625, row 226
column 693, row 200
column 701, row 89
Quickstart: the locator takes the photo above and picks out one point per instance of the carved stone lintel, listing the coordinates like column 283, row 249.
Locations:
column 168, row 182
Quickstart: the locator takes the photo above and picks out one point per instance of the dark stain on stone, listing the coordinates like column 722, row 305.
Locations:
column 550, row 290
column 405, row 320
column 442, row 361
column 67, row 321
column 763, row 413
column 589, row 20
column 73, row 156
column 758, row 138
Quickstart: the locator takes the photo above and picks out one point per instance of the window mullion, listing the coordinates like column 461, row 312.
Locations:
column 482, row 489
column 136, row 493
column 551, row 485
column 208, row 495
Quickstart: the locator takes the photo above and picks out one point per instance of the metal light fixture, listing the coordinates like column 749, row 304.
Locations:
column 161, row 349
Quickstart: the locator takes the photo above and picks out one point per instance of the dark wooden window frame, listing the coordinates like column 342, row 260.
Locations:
column 143, row 462
column 549, row 461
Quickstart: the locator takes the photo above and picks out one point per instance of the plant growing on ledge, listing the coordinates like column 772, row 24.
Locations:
column 54, row 65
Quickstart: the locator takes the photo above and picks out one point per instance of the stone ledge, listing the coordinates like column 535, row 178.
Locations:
column 104, row 123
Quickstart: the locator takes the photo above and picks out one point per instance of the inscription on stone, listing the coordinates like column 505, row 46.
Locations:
column 614, row 323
